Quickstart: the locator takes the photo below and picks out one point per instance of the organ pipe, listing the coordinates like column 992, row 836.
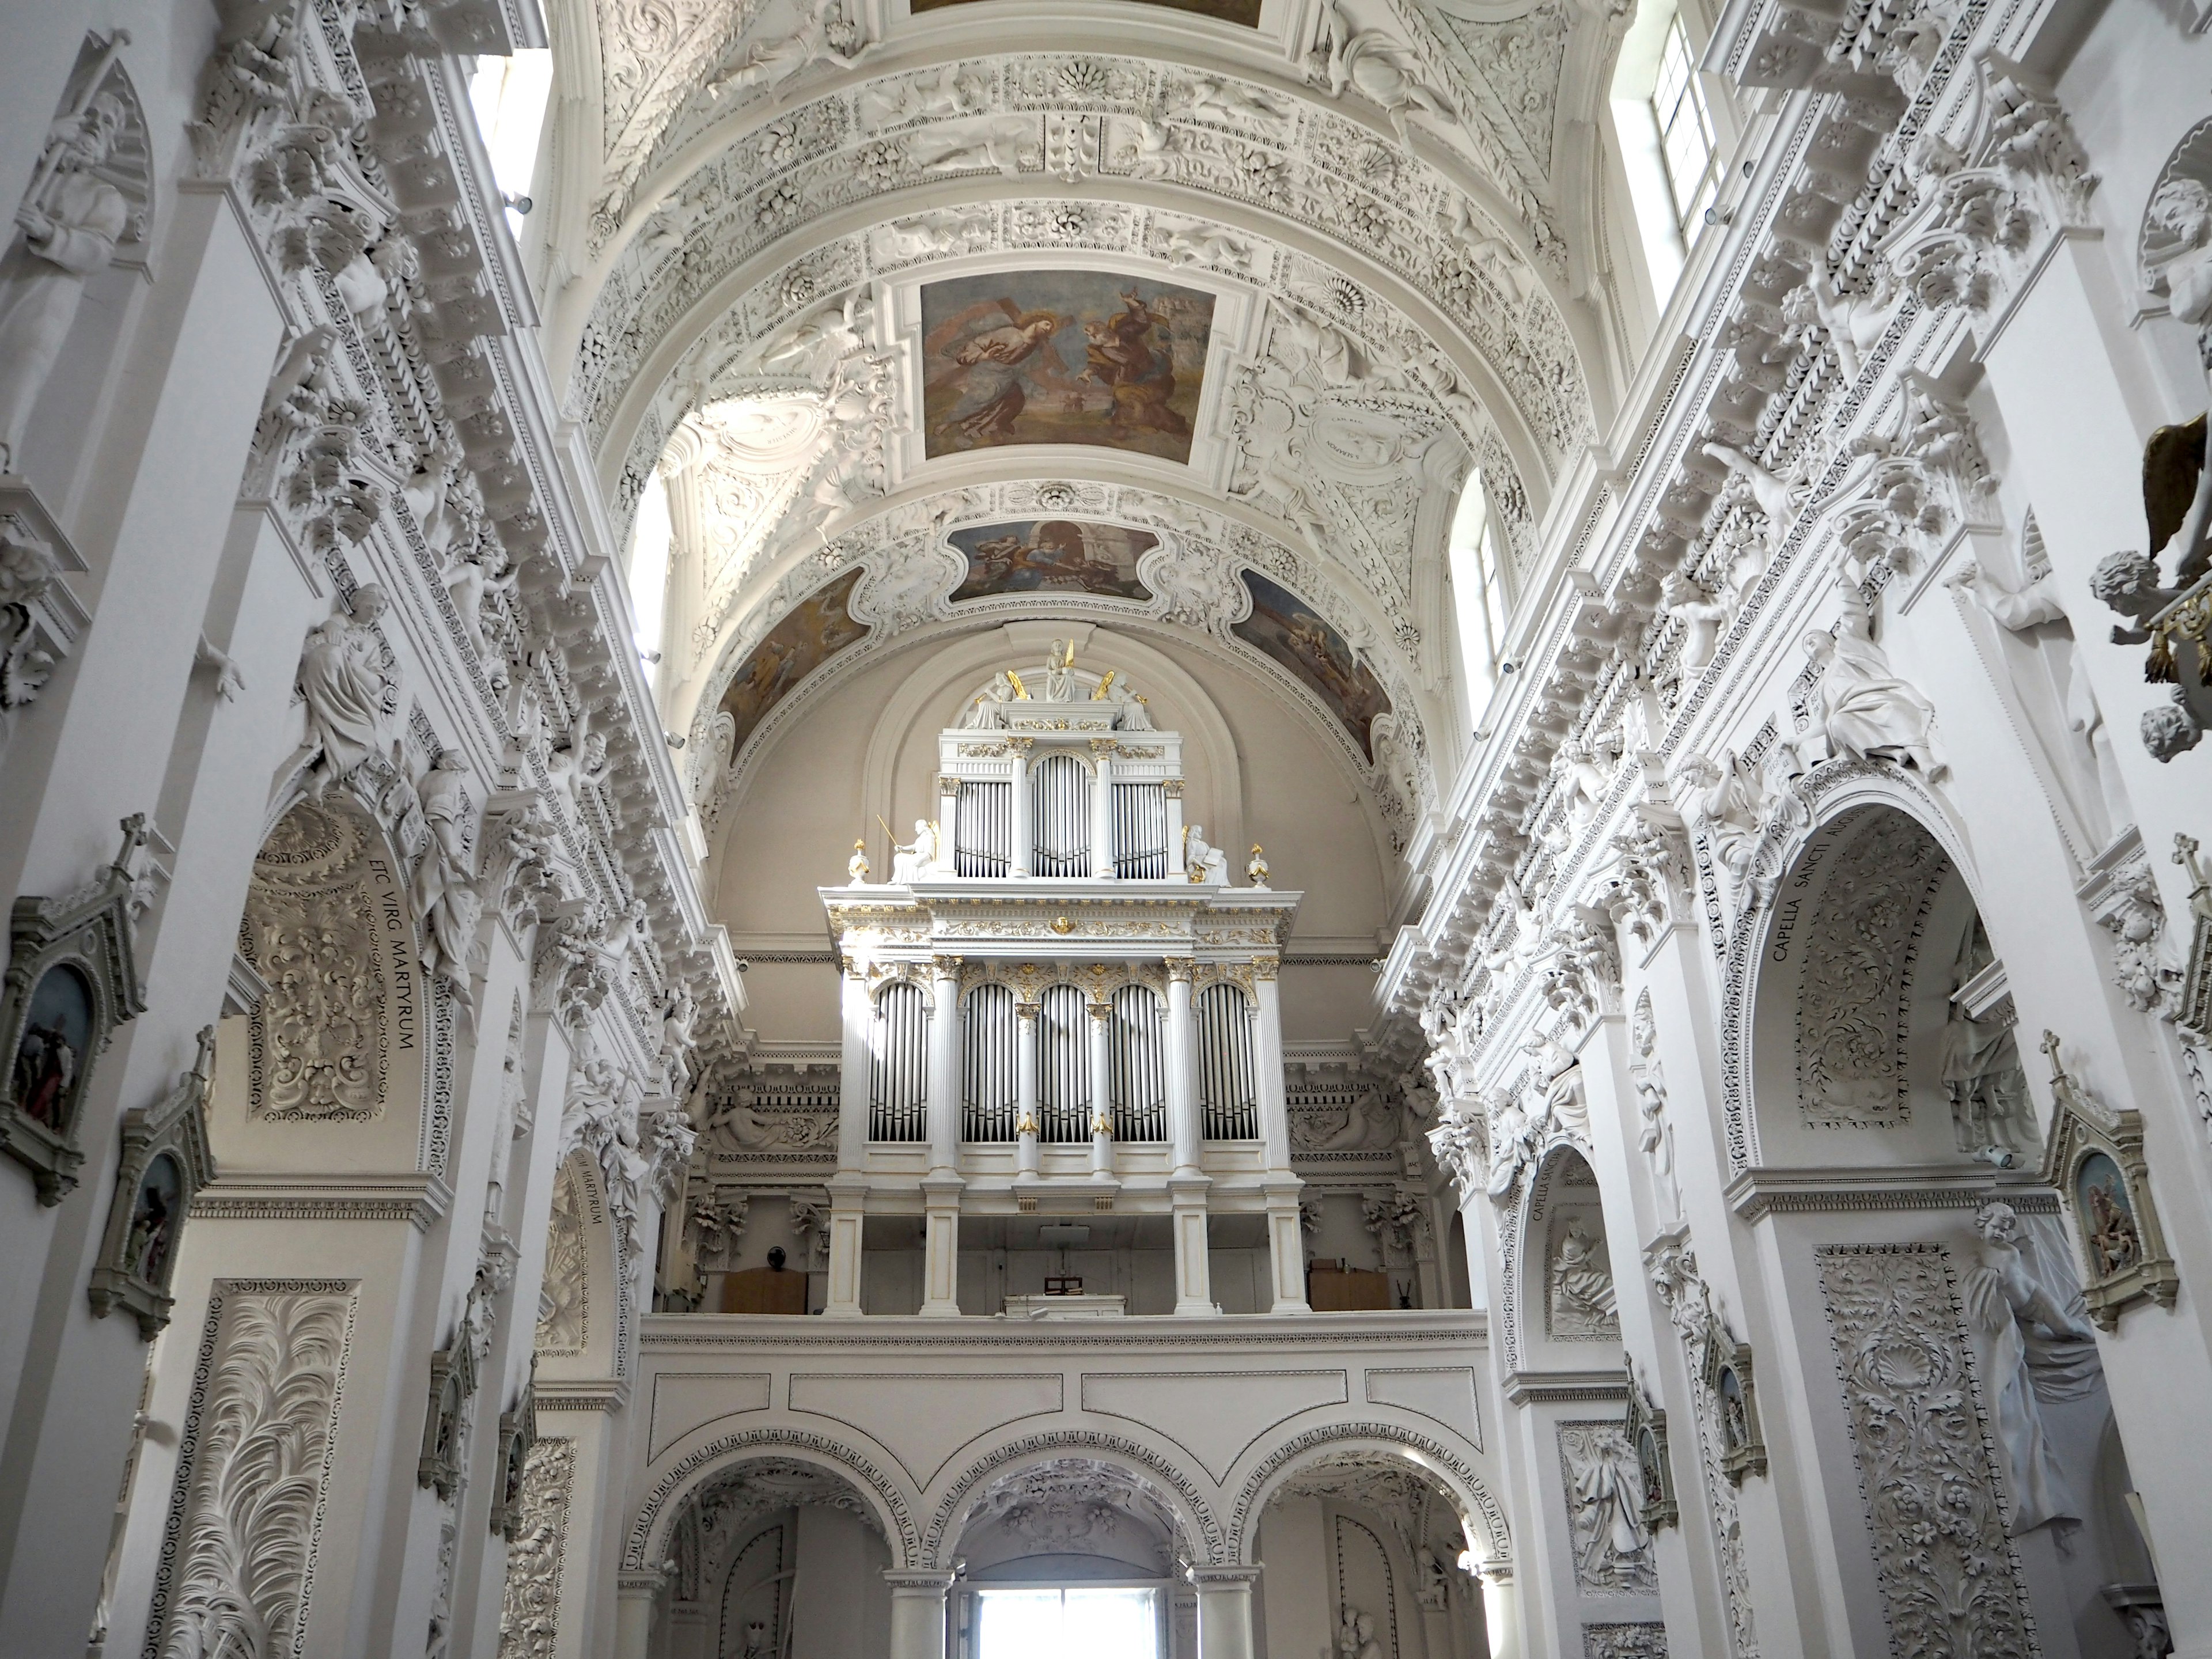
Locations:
column 989, row 1082
column 1063, row 1066
column 1228, row 1082
column 899, row 1064
column 1060, row 817
column 983, row 825
column 1138, row 1084
column 1140, row 832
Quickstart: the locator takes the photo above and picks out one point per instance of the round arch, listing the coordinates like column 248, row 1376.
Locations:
column 1450, row 1461
column 672, row 1487
column 1820, row 805
column 1187, row 1495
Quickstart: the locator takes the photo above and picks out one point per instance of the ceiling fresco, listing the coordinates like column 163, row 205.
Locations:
column 1062, row 357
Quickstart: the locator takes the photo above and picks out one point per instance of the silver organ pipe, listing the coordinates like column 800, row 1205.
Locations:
column 1138, row 1085
column 898, row 1063
column 1060, row 817
column 1063, row 1066
column 1228, row 1083
column 982, row 828
column 1140, row 832
column 987, row 1079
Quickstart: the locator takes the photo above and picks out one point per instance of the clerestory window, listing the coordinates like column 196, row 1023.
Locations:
column 1688, row 150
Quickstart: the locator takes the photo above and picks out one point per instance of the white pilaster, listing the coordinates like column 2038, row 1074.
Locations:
column 1026, row 1087
column 1182, row 1069
column 1102, row 809
column 944, row 1104
column 917, row 1612
column 1017, row 810
column 1224, row 1611
column 940, row 1266
column 852, row 1076
column 1102, row 1090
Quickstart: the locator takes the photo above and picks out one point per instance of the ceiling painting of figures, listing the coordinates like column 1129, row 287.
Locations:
column 1290, row 631
column 1052, row 555
column 1062, row 357
column 819, row 628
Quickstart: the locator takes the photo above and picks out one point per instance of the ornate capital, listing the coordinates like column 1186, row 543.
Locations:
column 1264, row 968
column 948, row 786
column 1181, row 969
column 945, row 967
column 1172, row 787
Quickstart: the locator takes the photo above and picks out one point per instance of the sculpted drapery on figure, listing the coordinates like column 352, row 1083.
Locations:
column 350, row 698
column 70, row 222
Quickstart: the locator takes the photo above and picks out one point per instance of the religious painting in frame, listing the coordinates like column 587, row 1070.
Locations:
column 2094, row 1157
column 1052, row 555
column 72, row 978
column 166, row 1160
column 1062, row 357
column 816, row 629
column 1285, row 627
column 1645, row 1427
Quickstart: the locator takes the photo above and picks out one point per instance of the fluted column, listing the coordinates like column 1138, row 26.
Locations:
column 1101, row 1091
column 1102, row 809
column 1025, row 1087
column 917, row 1612
column 1018, row 832
column 1224, row 1611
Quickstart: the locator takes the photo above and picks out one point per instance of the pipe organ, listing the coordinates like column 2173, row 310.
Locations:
column 1053, row 1010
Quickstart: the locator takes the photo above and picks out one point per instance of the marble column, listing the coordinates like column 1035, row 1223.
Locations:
column 944, row 1104
column 1285, row 1243
column 948, row 825
column 1182, row 1069
column 1102, row 809
column 1025, row 1085
column 1102, row 1090
column 637, row 1601
column 1224, row 1611
column 1501, row 1611
column 856, row 1014
column 917, row 1612
column 1017, row 810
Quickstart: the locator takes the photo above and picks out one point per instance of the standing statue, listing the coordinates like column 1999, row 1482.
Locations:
column 351, row 699
column 1657, row 1139
column 444, row 897
column 2009, row 1303
column 1867, row 712
column 1060, row 672
column 71, row 220
column 2026, row 612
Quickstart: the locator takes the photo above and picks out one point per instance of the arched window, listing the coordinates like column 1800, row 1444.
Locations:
column 1059, row 817
column 986, row 1064
column 1139, row 1081
column 1669, row 141
column 1063, row 1065
column 1228, row 1080
column 1481, row 603
column 898, row 1063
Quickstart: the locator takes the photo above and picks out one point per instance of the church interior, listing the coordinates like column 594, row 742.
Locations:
column 1113, row 829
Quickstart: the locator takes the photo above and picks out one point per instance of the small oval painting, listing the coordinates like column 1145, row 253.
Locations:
column 154, row 1222
column 51, row 1056
column 2108, row 1215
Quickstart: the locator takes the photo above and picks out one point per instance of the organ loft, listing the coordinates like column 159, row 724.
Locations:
column 1060, row 1007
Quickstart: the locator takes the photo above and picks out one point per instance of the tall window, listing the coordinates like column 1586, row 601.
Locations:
column 1685, row 130
column 1076, row 1623
column 1478, row 596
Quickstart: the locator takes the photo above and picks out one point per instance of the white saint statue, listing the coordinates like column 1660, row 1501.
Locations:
column 71, row 220
column 346, row 691
column 2013, row 1306
column 917, row 859
column 1060, row 672
column 1203, row 864
column 1865, row 709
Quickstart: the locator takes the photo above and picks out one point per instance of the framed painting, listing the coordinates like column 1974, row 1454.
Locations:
column 1062, row 357
column 1285, row 627
column 816, row 629
column 1052, row 555
column 166, row 1160
column 2094, row 1157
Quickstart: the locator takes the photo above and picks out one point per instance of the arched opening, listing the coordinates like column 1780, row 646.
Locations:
column 1882, row 1032
column 775, row 1558
column 1072, row 1554
column 1362, row 1547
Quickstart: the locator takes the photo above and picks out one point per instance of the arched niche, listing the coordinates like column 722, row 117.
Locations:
column 1066, row 1519
column 337, row 1066
column 579, row 1311
column 1565, row 1314
column 1880, row 1028
column 772, row 1555
column 1366, row 1543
